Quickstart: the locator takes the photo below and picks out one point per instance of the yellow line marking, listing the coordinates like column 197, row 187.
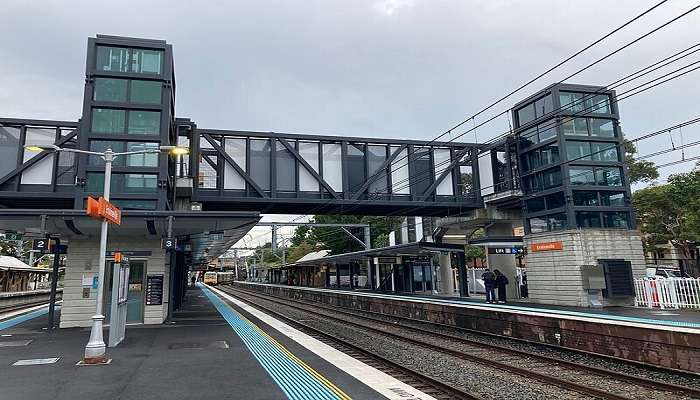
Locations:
column 339, row 392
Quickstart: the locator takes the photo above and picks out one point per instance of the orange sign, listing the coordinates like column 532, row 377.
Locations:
column 548, row 246
column 103, row 209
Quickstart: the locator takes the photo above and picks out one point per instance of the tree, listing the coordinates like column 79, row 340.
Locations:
column 638, row 170
column 671, row 212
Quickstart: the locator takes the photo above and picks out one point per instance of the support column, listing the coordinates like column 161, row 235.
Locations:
column 445, row 275
column 462, row 270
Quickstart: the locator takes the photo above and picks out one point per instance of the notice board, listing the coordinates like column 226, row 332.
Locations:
column 154, row 290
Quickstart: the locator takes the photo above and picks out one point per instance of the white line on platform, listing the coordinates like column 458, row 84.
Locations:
column 23, row 311
column 386, row 385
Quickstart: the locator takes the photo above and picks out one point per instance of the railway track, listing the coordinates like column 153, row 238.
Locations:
column 7, row 309
column 428, row 385
column 561, row 373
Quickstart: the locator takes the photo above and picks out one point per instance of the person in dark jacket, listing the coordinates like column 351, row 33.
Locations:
column 500, row 282
column 489, row 285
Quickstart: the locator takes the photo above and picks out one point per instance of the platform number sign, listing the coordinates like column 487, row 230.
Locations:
column 169, row 243
column 42, row 245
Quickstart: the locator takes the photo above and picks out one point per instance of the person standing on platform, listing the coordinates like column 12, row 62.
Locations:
column 489, row 285
column 500, row 282
column 193, row 280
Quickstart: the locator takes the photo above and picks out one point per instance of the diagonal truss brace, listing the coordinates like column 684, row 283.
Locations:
column 235, row 166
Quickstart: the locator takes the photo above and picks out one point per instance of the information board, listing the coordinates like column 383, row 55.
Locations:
column 154, row 290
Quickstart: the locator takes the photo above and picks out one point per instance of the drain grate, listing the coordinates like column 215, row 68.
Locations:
column 218, row 344
column 14, row 343
column 36, row 361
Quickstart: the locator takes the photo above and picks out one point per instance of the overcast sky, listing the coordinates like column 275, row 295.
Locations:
column 377, row 68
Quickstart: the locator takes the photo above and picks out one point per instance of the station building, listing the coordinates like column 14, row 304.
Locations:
column 559, row 177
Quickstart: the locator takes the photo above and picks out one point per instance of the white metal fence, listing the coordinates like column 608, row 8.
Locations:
column 667, row 292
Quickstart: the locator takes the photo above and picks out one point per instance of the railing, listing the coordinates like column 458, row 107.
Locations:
column 667, row 292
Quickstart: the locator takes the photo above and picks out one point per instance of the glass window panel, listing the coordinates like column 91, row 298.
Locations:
column 619, row 220
column 556, row 222
column 421, row 171
column 571, row 102
column 547, row 130
column 551, row 178
column 39, row 137
column 536, row 204
column 604, row 152
column 286, row 168
column 581, row 176
column 112, row 59
column 466, row 179
column 400, row 181
column 144, row 122
column 588, row 219
column 106, row 120
column 236, row 149
column 309, row 152
column 40, row 173
column 140, row 183
column 95, row 182
column 575, row 127
column 9, row 144
column 260, row 153
column 538, row 225
column 601, row 127
column 526, row 114
column 539, row 107
column 598, row 104
column 355, row 162
column 207, row 173
column 533, row 158
column 145, row 92
column 142, row 160
column 578, row 150
column 109, row 89
column 147, row 61
column 608, row 176
column 204, row 143
column 102, row 146
column 332, row 167
column 549, row 155
column 129, row 204
column 442, row 159
column 66, row 168
column 525, row 164
column 529, row 137
column 376, row 156
column 613, row 199
column 183, row 161
column 583, row 198
column 555, row 200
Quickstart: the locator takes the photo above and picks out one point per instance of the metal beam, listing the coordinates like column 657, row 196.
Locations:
column 444, row 173
column 235, row 166
column 311, row 224
column 379, row 172
column 308, row 167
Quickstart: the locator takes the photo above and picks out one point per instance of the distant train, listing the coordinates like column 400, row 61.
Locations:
column 218, row 278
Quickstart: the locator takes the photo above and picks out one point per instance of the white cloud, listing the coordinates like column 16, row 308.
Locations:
column 389, row 7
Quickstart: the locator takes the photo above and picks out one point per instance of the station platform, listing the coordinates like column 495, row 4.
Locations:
column 662, row 319
column 214, row 348
column 666, row 338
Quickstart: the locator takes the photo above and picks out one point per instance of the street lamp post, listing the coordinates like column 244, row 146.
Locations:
column 95, row 348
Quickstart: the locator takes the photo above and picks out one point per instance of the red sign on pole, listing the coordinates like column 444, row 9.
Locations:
column 103, row 209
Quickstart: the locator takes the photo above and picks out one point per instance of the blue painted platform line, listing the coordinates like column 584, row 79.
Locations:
column 9, row 323
column 294, row 377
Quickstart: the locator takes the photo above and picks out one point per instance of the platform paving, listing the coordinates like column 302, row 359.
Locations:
column 198, row 356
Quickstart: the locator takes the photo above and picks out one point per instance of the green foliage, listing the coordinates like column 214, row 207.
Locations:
column 671, row 212
column 638, row 170
column 338, row 242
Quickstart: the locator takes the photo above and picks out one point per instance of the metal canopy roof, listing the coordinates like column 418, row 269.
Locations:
column 209, row 233
column 406, row 249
